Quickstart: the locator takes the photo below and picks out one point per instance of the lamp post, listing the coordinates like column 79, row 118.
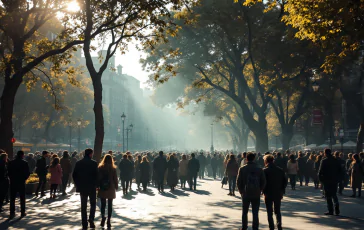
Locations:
column 70, row 129
column 342, row 134
column 212, row 138
column 129, row 129
column 123, row 121
column 79, row 134
column 118, row 137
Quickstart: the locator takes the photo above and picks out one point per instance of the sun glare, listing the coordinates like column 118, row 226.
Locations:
column 73, row 6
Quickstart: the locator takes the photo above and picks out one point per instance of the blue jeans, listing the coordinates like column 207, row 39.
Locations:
column 232, row 184
column 255, row 210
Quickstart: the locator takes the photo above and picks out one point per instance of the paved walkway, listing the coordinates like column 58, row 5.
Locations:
column 207, row 208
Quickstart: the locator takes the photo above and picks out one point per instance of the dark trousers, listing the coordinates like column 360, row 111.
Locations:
column 65, row 178
column 232, row 184
column 292, row 180
column 53, row 189
column 145, row 185
column 331, row 196
column 341, row 186
column 125, row 184
column 202, row 172
column 274, row 204
column 359, row 191
column 84, row 196
column 42, row 184
column 14, row 189
column 192, row 181
column 255, row 210
column 307, row 178
column 109, row 207
column 160, row 181
column 214, row 169
column 300, row 177
column 4, row 188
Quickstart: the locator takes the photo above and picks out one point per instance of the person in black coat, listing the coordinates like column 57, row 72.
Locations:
column 202, row 161
column 341, row 178
column 214, row 165
column 85, row 175
column 172, row 177
column 144, row 173
column 4, row 179
column 274, row 190
column 301, row 160
column 18, row 171
column 329, row 174
column 42, row 170
column 193, row 169
column 126, row 168
column 281, row 162
column 159, row 169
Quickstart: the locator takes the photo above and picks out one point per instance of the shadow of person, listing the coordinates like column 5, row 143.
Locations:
column 201, row 192
column 180, row 193
column 170, row 195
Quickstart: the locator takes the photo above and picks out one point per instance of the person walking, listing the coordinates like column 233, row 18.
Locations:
column 4, row 178
column 341, row 178
column 251, row 182
column 108, row 184
column 137, row 170
column 85, row 178
column 31, row 162
column 214, row 165
column 347, row 168
column 193, row 169
column 357, row 172
column 126, row 167
column 310, row 168
column 202, row 160
column 317, row 168
column 276, row 183
column 18, row 172
column 144, row 172
column 172, row 166
column 132, row 171
column 183, row 170
column 66, row 166
column 302, row 167
column 292, row 170
column 329, row 174
column 159, row 169
column 56, row 177
column 232, row 169
column 42, row 170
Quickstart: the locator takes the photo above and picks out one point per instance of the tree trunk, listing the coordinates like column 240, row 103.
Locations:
column 287, row 134
column 261, row 136
column 11, row 86
column 360, row 138
column 99, row 117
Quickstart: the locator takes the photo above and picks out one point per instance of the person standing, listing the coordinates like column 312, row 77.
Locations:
column 144, row 173
column 341, row 178
column 56, row 177
column 329, row 173
column 347, row 168
column 202, row 161
column 183, row 170
column 193, row 169
column 172, row 166
column 357, row 172
column 126, row 167
column 159, row 169
column 132, row 171
column 4, row 179
column 274, row 190
column 251, row 182
column 292, row 170
column 85, row 178
column 66, row 166
column 18, row 171
column 42, row 170
column 214, row 165
column 108, row 184
column 232, row 169
column 137, row 170
column 31, row 162
column 310, row 169
column 302, row 167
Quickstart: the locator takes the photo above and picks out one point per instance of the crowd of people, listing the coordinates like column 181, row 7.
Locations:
column 252, row 174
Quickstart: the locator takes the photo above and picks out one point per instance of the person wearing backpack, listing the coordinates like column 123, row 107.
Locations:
column 251, row 182
column 108, row 184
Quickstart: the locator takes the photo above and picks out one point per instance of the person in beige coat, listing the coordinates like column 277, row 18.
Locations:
column 183, row 170
column 108, row 184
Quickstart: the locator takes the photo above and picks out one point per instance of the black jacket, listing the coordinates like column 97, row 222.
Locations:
column 330, row 170
column 41, row 167
column 160, row 165
column 214, row 162
column 3, row 172
column 302, row 164
column 202, row 160
column 276, row 182
column 193, row 166
column 281, row 163
column 18, row 171
column 85, row 175
column 126, row 168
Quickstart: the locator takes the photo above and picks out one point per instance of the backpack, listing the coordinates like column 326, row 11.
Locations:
column 105, row 183
column 252, row 186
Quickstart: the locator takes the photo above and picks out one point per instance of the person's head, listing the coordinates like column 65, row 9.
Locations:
column 232, row 157
column 107, row 162
column 192, row 155
column 300, row 154
column 125, row 156
column 250, row 157
column 244, row 154
column 292, row 157
column 110, row 152
column 30, row 155
column 266, row 153
column 327, row 152
column 171, row 157
column 279, row 154
column 65, row 154
column 361, row 155
column 55, row 162
column 160, row 153
column 268, row 159
column 356, row 158
column 89, row 152
column 184, row 157
column 312, row 157
column 45, row 153
column 350, row 156
column 130, row 157
column 139, row 157
column 337, row 154
column 145, row 159
column 318, row 158
column 20, row 154
column 215, row 155
column 4, row 157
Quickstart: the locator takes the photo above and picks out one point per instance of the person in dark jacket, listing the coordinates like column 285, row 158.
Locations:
column 18, row 171
column 347, row 168
column 317, row 168
column 301, row 160
column 232, row 169
column 126, row 173
column 172, row 166
column 357, row 172
column 42, row 170
column 329, row 174
column 214, row 165
column 274, row 190
column 85, row 175
column 159, row 169
column 4, row 179
column 66, row 166
column 280, row 162
column 310, row 169
column 202, row 161
column 31, row 162
column 193, row 169
column 342, row 174
column 144, row 172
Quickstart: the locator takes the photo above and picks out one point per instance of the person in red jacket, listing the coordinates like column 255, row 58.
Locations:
column 56, row 177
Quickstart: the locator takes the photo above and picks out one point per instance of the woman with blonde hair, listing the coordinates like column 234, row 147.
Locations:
column 108, row 184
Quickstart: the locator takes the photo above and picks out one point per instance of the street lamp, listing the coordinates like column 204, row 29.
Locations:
column 79, row 134
column 129, row 129
column 212, row 138
column 123, row 121
column 70, row 127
